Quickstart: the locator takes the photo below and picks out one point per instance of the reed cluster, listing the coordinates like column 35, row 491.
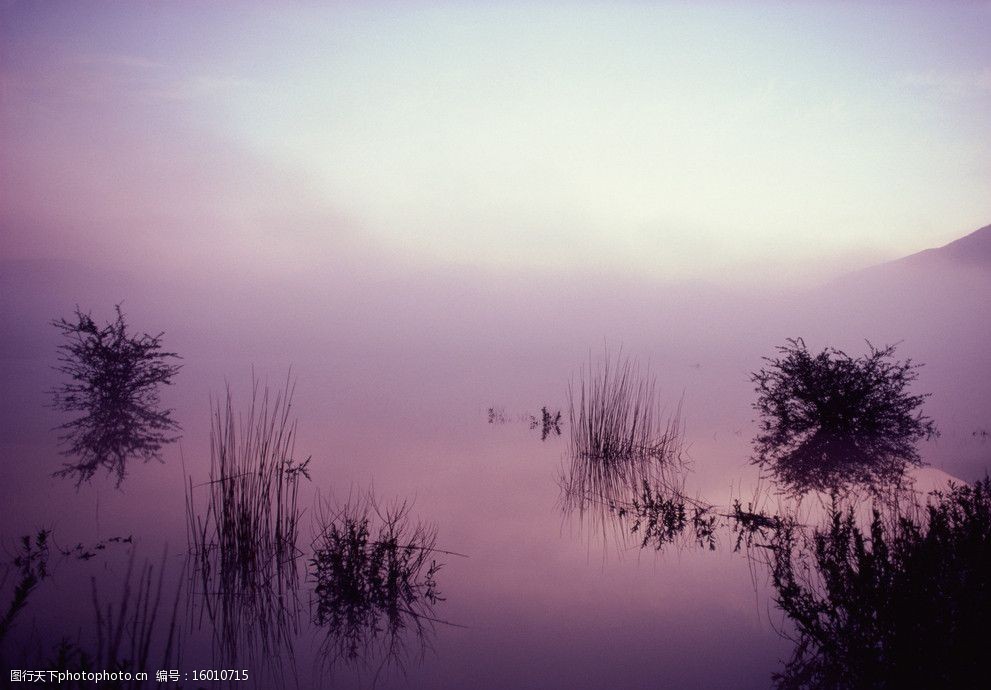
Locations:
column 621, row 447
column 251, row 522
column 613, row 412
column 243, row 542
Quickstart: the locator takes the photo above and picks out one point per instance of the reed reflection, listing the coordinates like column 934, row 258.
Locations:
column 243, row 526
column 626, row 468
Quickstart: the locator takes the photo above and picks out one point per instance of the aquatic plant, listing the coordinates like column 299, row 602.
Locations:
column 137, row 633
column 614, row 415
column 374, row 574
column 114, row 381
column 256, row 624
column 829, row 420
column 32, row 568
column 251, row 522
column 497, row 415
column 37, row 558
column 624, row 462
column 752, row 525
column 662, row 515
column 244, row 542
column 658, row 519
column 904, row 602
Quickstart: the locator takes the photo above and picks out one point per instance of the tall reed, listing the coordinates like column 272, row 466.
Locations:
column 613, row 412
column 252, row 516
column 620, row 445
column 244, row 542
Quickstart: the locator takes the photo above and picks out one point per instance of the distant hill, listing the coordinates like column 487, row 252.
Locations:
column 970, row 251
column 975, row 248
column 937, row 305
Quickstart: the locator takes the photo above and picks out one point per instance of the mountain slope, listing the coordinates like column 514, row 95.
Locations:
column 970, row 251
column 935, row 304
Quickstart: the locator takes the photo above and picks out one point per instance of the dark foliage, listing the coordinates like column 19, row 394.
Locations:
column 32, row 568
column 704, row 526
column 375, row 588
column 657, row 518
column 243, row 540
column 830, row 421
column 754, row 526
column 114, row 380
column 905, row 603
column 662, row 519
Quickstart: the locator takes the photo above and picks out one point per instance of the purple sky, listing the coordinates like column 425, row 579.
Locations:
column 712, row 141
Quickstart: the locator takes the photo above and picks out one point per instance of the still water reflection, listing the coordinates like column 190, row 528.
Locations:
column 470, row 577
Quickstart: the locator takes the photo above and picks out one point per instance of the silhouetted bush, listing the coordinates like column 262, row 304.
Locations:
column 374, row 573
column 830, row 420
column 905, row 605
column 114, row 379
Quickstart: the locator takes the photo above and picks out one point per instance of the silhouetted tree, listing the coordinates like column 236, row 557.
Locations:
column 114, row 379
column 830, row 420
column 906, row 604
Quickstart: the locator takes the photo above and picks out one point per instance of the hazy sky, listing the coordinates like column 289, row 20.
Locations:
column 681, row 139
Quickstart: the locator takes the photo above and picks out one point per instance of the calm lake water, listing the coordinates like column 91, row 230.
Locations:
column 539, row 599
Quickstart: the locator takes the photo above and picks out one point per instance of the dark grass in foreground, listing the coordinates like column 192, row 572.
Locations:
column 38, row 558
column 903, row 602
column 136, row 632
column 31, row 568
